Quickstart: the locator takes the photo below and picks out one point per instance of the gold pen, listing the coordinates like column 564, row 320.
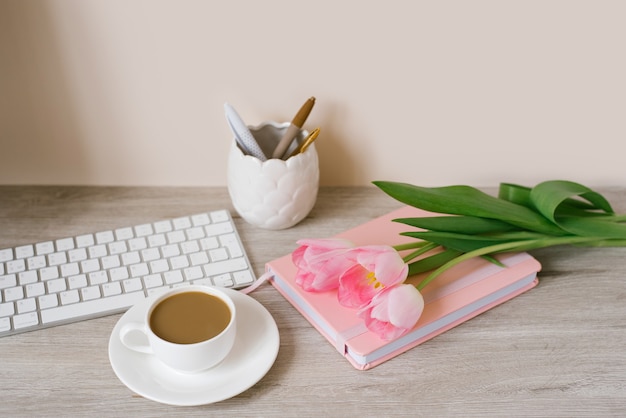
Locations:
column 306, row 142
column 294, row 127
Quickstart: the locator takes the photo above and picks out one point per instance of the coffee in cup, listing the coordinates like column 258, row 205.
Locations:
column 190, row 328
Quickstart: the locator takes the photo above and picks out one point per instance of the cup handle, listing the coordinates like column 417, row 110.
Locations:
column 135, row 328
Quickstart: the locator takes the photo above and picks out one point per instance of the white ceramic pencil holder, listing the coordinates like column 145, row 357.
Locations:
column 273, row 194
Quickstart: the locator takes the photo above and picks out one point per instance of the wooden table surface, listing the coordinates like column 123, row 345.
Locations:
column 557, row 350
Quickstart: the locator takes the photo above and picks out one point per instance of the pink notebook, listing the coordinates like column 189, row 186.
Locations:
column 457, row 295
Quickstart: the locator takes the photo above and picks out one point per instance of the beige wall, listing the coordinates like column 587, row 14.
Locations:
column 130, row 92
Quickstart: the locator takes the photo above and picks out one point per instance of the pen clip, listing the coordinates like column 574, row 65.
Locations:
column 306, row 142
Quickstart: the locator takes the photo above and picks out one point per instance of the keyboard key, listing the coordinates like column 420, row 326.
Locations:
column 152, row 280
column 90, row 293
column 48, row 301
column 26, row 305
column 44, row 248
column 6, row 255
column 78, row 254
column 223, row 280
column 209, row 243
column 172, row 277
column 7, row 309
column 193, row 273
column 85, row 241
column 143, row 230
column 36, row 262
column 87, row 266
column 132, row 285
column 170, row 250
column 219, row 216
column 24, row 251
column 220, row 267
column 219, row 254
column 119, row 273
column 69, row 296
column 243, row 277
column 199, row 258
column 92, row 307
column 27, row 277
column 230, row 241
column 35, row 289
column 56, row 259
column 117, row 247
column 5, row 324
column 218, row 229
column 159, row 266
column 25, row 320
column 195, row 233
column 105, row 237
column 98, row 277
column 56, row 285
column 48, row 273
column 162, row 226
column 76, row 282
column 69, row 269
column 175, row 236
column 98, row 251
column 110, row 262
column 130, row 258
column 181, row 223
column 150, row 254
column 137, row 270
column 157, row 240
column 9, row 280
column 190, row 247
column 15, row 266
column 65, row 244
column 13, row 293
column 137, row 244
column 203, row 282
column 200, row 219
column 124, row 234
column 110, row 289
column 179, row 262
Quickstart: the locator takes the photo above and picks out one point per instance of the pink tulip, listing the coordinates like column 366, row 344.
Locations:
column 376, row 268
column 321, row 262
column 369, row 278
column 394, row 311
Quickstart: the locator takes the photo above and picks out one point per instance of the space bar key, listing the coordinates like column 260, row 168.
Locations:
column 91, row 308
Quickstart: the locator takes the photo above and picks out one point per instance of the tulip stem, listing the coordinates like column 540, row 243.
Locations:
column 509, row 246
column 420, row 251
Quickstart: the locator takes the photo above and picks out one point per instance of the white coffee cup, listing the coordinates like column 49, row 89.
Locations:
column 194, row 351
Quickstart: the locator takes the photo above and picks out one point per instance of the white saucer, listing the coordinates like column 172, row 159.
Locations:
column 254, row 353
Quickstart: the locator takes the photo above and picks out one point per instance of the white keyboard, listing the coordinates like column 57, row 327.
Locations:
column 92, row 275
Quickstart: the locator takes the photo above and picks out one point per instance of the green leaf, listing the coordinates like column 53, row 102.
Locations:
column 461, row 224
column 432, row 262
column 550, row 195
column 465, row 200
column 521, row 196
column 465, row 242
column 593, row 227
column 516, row 194
column 552, row 199
column 493, row 260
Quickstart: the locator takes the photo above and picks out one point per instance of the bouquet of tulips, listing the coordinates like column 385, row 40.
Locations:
column 371, row 279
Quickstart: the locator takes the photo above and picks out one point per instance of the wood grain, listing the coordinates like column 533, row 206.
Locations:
column 558, row 350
